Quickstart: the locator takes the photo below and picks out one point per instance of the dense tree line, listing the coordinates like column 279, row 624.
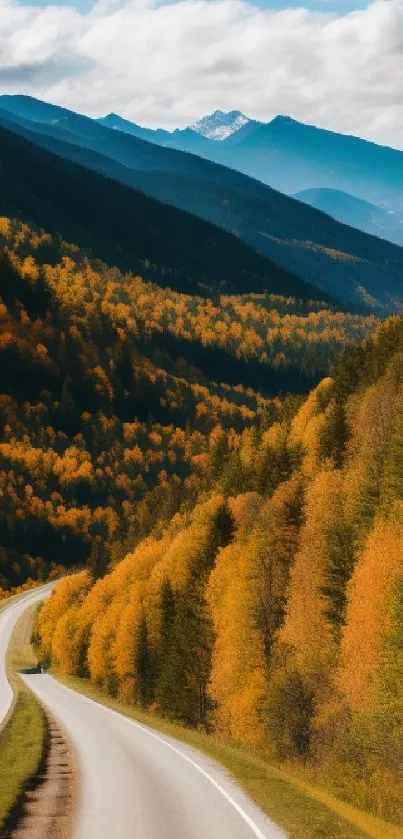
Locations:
column 223, row 530
column 266, row 341
column 271, row 610
column 113, row 390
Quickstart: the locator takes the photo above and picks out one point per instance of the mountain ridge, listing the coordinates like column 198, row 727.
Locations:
column 127, row 227
column 361, row 270
column 347, row 208
column 253, row 149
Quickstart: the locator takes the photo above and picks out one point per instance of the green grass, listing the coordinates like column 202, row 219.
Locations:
column 22, row 738
column 302, row 810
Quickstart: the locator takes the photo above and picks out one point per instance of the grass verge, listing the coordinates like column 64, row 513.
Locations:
column 302, row 810
column 23, row 737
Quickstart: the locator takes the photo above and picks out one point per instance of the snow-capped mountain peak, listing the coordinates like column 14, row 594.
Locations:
column 219, row 125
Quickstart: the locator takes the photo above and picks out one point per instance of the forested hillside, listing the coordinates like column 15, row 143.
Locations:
column 165, row 443
column 131, row 230
column 269, row 609
column 362, row 271
column 376, row 220
column 117, row 396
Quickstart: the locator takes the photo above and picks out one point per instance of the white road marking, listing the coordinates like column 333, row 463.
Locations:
column 254, row 828
column 8, row 619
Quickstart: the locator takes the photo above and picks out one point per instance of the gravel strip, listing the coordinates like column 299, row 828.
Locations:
column 47, row 807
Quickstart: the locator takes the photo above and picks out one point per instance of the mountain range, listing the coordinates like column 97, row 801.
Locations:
column 201, row 432
column 362, row 271
column 287, row 154
column 131, row 230
column 295, row 158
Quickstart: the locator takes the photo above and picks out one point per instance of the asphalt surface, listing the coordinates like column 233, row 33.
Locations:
column 9, row 616
column 135, row 783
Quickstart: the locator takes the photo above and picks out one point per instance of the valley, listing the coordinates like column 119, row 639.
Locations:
column 201, row 442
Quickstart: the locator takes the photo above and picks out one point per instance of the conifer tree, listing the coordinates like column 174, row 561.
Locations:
column 99, row 559
column 185, row 670
column 168, row 613
column 144, row 666
column 335, row 433
column 272, row 463
column 222, row 532
column 339, row 564
column 166, row 652
column 392, row 483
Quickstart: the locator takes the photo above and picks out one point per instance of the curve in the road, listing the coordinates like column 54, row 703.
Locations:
column 137, row 784
column 134, row 782
column 9, row 617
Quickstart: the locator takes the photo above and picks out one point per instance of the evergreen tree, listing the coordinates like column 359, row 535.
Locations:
column 392, row 483
column 335, row 434
column 222, row 533
column 368, row 497
column 273, row 466
column 185, row 670
column 168, row 613
column 99, row 559
column 166, row 690
column 144, row 667
column 340, row 560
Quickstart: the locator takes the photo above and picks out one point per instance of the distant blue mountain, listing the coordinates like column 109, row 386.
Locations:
column 126, row 228
column 284, row 153
column 116, row 122
column 363, row 271
column 378, row 221
column 291, row 157
column 185, row 139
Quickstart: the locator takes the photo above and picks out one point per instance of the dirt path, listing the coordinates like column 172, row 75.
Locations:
column 47, row 807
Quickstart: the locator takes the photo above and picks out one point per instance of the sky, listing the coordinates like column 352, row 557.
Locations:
column 337, row 64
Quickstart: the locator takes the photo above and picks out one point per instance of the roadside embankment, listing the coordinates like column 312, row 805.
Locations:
column 303, row 810
column 36, row 790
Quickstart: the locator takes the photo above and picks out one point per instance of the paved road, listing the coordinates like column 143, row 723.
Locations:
column 8, row 619
column 137, row 784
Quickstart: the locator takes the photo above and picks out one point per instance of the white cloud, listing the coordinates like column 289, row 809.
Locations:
column 168, row 64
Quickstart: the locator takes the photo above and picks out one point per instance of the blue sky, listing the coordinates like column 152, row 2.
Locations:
column 332, row 63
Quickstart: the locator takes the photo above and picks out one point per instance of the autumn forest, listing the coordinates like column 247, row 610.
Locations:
column 220, row 475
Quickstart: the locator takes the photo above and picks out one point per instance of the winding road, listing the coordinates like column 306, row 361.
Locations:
column 135, row 783
column 9, row 616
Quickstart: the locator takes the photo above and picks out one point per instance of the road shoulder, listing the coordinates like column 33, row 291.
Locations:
column 37, row 789
column 302, row 810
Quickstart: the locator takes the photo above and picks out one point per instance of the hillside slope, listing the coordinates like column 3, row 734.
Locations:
column 377, row 221
column 111, row 387
column 128, row 228
column 292, row 156
column 364, row 271
column 214, row 620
